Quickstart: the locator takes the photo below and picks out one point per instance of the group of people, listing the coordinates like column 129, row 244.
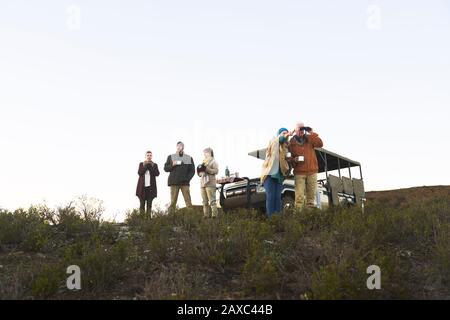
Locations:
column 288, row 150
column 181, row 169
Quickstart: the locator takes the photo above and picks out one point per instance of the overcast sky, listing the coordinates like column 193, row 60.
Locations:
column 86, row 87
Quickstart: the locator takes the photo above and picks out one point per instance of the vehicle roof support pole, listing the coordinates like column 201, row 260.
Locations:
column 328, row 188
column 249, row 195
column 339, row 167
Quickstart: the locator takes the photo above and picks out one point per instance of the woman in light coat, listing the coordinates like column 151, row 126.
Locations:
column 207, row 172
column 274, row 170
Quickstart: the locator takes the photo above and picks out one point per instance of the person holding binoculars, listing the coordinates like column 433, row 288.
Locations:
column 304, row 161
column 274, row 170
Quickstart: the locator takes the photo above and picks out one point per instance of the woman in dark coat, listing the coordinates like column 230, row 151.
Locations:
column 146, row 189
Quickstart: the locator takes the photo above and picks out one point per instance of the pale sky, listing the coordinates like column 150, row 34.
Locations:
column 86, row 87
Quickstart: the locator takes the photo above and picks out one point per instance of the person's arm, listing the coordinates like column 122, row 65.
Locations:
column 154, row 169
column 191, row 171
column 168, row 166
column 315, row 140
column 269, row 149
column 213, row 169
column 141, row 169
column 293, row 152
column 291, row 149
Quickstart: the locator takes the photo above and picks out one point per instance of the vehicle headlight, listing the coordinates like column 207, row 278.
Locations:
column 229, row 193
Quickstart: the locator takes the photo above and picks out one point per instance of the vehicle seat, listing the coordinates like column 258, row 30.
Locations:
column 336, row 186
column 348, row 185
column 358, row 187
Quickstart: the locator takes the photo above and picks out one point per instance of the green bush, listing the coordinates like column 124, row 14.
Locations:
column 347, row 278
column 102, row 267
column 48, row 282
column 241, row 254
column 24, row 229
column 260, row 274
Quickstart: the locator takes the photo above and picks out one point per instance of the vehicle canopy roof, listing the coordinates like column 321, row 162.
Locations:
column 327, row 160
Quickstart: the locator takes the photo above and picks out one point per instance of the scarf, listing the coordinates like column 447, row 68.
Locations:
column 205, row 175
column 300, row 140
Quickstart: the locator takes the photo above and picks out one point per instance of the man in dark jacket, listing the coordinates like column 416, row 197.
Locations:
column 182, row 169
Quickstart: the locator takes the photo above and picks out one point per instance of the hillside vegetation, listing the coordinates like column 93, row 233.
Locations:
column 308, row 255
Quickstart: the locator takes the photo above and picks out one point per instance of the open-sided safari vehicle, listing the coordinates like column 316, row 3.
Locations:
column 336, row 185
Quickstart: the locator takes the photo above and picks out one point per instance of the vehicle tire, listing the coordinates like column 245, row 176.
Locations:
column 288, row 202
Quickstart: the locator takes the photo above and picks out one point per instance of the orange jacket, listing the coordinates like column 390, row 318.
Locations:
column 309, row 165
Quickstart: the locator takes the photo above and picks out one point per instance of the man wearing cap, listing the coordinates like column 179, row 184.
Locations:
column 304, row 162
column 181, row 170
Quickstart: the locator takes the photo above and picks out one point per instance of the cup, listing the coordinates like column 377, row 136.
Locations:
column 300, row 158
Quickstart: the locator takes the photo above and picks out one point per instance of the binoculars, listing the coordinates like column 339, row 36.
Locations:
column 201, row 168
column 307, row 129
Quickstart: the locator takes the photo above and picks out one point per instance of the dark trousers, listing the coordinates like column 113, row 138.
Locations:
column 148, row 199
column 273, row 195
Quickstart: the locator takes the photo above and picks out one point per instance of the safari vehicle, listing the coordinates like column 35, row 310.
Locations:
column 336, row 186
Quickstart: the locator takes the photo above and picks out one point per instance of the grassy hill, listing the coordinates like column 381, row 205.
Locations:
column 307, row 255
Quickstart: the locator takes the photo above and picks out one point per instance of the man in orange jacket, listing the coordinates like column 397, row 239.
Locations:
column 304, row 162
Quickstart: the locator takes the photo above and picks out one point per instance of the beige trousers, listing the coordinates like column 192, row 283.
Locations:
column 174, row 191
column 305, row 185
column 209, row 201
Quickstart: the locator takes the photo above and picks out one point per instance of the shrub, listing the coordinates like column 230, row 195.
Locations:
column 347, row 278
column 240, row 254
column 101, row 266
column 260, row 274
column 24, row 229
column 48, row 281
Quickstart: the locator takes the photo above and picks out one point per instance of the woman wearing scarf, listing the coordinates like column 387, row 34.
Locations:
column 207, row 172
column 275, row 168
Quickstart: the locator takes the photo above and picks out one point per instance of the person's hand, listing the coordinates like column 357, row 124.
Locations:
column 174, row 163
column 312, row 133
column 283, row 134
column 307, row 130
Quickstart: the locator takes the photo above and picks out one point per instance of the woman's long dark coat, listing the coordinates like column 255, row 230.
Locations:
column 154, row 172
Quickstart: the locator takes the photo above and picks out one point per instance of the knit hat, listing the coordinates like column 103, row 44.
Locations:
column 281, row 130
